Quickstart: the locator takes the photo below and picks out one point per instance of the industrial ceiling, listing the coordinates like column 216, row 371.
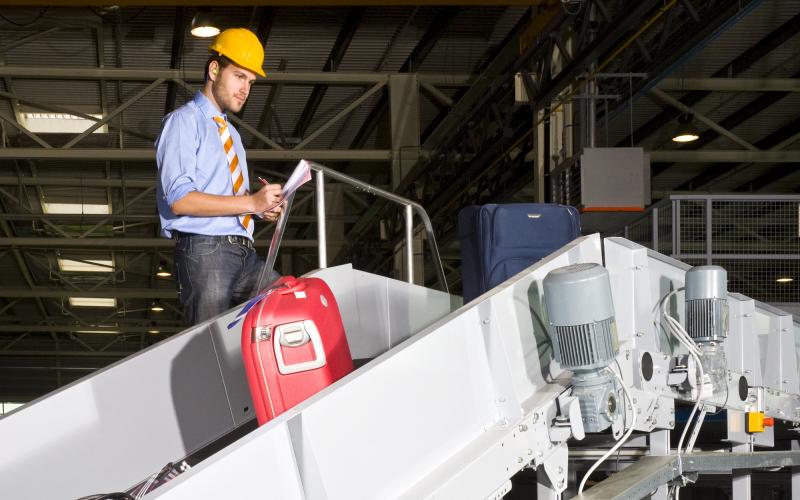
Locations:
column 733, row 65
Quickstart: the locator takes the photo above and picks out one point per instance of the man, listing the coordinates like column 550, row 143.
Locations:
column 204, row 198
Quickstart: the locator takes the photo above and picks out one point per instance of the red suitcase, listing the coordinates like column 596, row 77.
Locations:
column 293, row 344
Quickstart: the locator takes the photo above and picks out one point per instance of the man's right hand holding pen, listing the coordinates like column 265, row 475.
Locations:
column 268, row 200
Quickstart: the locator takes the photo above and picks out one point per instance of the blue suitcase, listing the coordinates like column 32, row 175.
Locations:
column 499, row 241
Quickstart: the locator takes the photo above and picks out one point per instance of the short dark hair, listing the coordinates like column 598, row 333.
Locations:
column 223, row 62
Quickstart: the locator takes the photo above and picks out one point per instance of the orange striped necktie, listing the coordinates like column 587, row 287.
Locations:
column 237, row 178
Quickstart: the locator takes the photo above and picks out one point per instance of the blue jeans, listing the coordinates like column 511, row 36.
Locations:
column 215, row 273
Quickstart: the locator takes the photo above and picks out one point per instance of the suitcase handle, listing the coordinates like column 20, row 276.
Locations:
column 290, row 284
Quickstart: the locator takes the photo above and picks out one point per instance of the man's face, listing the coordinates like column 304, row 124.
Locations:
column 231, row 86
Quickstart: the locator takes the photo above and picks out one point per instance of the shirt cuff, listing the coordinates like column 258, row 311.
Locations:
column 178, row 192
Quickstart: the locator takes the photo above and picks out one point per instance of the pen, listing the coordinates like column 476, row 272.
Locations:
column 263, row 181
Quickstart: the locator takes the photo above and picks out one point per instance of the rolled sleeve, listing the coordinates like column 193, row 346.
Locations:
column 176, row 155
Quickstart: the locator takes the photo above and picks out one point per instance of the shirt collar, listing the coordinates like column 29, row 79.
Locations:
column 207, row 107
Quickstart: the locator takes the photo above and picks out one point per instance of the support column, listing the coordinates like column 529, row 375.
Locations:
column 404, row 107
column 405, row 133
column 659, row 447
column 544, row 489
column 742, row 481
column 795, row 474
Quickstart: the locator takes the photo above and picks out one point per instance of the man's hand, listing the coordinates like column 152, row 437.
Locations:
column 267, row 201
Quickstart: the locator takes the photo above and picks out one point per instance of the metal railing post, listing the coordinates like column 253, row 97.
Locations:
column 409, row 211
column 655, row 229
column 674, row 227
column 676, row 223
column 709, row 231
column 321, row 237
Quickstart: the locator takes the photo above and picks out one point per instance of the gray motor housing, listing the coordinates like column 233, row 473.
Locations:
column 581, row 315
column 707, row 303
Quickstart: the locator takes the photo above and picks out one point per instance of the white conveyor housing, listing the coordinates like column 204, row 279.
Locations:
column 436, row 413
column 449, row 401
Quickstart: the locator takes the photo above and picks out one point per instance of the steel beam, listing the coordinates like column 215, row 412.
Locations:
column 723, row 156
column 8, row 180
column 731, row 84
column 736, row 67
column 347, row 110
column 88, row 329
column 435, row 31
column 120, row 293
column 68, row 354
column 120, row 243
column 293, row 77
column 139, row 217
column 176, row 56
column 702, row 118
column 146, row 154
column 643, row 477
column 343, row 39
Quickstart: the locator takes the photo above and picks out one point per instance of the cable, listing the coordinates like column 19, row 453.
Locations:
column 696, row 430
column 619, row 443
column 41, row 13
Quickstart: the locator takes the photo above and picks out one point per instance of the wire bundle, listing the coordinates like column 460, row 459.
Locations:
column 681, row 335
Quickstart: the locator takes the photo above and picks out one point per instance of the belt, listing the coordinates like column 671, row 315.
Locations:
column 233, row 239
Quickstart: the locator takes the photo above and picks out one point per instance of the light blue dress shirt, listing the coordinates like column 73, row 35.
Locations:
column 191, row 157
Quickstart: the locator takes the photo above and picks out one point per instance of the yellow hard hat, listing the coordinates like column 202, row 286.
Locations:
column 241, row 46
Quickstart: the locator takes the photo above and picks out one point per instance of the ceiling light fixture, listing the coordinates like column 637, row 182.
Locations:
column 156, row 306
column 685, row 132
column 92, row 302
column 75, row 208
column 784, row 280
column 163, row 270
column 203, row 25
column 86, row 266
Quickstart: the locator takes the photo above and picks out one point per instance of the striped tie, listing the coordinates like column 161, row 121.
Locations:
column 236, row 172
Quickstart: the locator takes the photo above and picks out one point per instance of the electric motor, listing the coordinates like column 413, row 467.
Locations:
column 581, row 314
column 584, row 336
column 706, row 303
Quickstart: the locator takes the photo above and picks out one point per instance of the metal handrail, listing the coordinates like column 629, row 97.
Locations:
column 410, row 207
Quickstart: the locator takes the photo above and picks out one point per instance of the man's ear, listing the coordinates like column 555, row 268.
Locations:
column 213, row 70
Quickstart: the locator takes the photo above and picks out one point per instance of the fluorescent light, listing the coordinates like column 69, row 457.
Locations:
column 153, row 331
column 92, row 302
column 75, row 208
column 59, row 123
column 86, row 266
column 784, row 280
column 97, row 331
